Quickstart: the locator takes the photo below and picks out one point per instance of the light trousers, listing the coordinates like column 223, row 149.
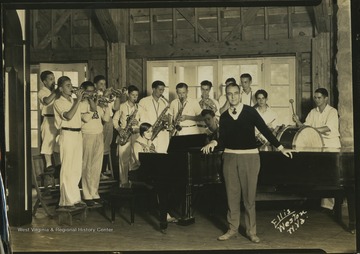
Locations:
column 71, row 152
column 48, row 136
column 93, row 150
column 126, row 158
column 241, row 175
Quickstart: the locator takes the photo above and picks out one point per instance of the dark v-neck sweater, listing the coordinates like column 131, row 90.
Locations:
column 239, row 134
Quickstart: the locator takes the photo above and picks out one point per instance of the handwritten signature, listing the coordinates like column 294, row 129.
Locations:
column 289, row 221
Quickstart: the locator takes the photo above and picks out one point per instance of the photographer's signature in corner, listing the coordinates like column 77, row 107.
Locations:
column 289, row 221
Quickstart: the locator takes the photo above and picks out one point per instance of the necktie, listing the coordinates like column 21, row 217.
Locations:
column 234, row 111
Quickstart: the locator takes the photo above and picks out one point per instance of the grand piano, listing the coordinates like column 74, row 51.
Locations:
column 312, row 172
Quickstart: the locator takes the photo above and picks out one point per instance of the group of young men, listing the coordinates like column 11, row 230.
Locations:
column 233, row 124
column 81, row 130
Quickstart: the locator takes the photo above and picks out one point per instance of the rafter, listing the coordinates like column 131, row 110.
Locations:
column 322, row 18
column 56, row 28
column 249, row 16
column 190, row 17
column 107, row 24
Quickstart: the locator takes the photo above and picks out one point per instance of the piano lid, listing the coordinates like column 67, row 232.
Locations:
column 184, row 143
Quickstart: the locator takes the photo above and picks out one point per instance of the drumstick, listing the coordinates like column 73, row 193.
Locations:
column 292, row 105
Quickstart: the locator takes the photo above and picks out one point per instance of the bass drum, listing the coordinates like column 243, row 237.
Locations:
column 292, row 137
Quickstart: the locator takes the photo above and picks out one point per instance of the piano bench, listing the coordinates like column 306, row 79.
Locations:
column 130, row 194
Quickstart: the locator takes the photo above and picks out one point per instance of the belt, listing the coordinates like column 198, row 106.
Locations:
column 70, row 129
column 201, row 125
column 49, row 115
column 188, row 126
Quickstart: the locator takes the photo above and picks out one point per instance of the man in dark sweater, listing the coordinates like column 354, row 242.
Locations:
column 241, row 163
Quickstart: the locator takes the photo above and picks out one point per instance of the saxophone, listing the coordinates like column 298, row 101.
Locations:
column 160, row 124
column 177, row 126
column 124, row 137
column 208, row 104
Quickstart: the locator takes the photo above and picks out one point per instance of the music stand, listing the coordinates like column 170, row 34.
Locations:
column 183, row 143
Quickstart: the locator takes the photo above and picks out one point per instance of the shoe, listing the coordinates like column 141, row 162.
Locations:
column 254, row 238
column 92, row 203
column 80, row 204
column 104, row 177
column 229, row 234
column 171, row 219
column 327, row 211
column 99, row 201
column 89, row 202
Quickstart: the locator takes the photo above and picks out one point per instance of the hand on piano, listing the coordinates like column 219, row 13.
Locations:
column 209, row 148
column 287, row 152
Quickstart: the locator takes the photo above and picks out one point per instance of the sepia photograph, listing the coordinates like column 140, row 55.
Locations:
column 180, row 126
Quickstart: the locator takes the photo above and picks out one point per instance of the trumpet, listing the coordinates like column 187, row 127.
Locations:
column 118, row 92
column 208, row 104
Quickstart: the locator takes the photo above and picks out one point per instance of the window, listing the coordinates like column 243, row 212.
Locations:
column 276, row 75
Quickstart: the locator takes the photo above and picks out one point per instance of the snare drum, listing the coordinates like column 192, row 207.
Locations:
column 294, row 137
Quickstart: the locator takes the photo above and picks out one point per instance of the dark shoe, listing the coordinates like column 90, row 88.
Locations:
column 92, row 204
column 254, row 238
column 163, row 231
column 80, row 204
column 229, row 234
column 89, row 202
column 99, row 200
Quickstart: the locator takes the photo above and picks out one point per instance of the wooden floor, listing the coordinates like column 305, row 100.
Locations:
column 314, row 229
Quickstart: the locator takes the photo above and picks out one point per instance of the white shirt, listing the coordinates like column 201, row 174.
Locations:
column 329, row 117
column 92, row 125
column 247, row 98
column 45, row 109
column 63, row 105
column 150, row 109
column 192, row 108
column 122, row 115
column 269, row 116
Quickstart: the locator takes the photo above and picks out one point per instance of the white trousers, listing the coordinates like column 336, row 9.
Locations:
column 71, row 152
column 48, row 136
column 126, row 158
column 108, row 136
column 93, row 150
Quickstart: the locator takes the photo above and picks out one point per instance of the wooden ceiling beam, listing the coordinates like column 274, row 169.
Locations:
column 107, row 25
column 56, row 28
column 190, row 17
column 249, row 16
column 216, row 49
column 322, row 17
